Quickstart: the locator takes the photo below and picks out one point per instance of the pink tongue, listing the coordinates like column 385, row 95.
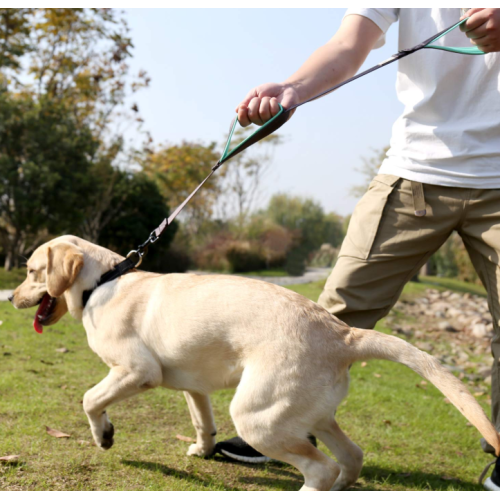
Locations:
column 36, row 324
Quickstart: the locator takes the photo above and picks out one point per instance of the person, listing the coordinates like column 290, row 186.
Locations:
column 441, row 173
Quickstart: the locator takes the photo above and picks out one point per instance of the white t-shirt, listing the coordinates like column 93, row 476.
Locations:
column 449, row 132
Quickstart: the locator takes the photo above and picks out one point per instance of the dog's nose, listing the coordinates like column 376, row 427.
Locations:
column 11, row 298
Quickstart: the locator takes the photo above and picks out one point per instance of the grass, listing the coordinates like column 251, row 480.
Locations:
column 9, row 280
column 412, row 440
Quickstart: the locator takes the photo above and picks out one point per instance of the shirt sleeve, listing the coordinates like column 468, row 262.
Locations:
column 383, row 18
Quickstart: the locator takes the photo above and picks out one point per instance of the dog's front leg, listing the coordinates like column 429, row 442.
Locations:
column 203, row 421
column 118, row 385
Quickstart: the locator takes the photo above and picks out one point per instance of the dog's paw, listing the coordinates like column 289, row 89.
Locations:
column 107, row 437
column 198, row 450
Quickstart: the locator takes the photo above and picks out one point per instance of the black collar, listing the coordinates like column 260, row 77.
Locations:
column 133, row 260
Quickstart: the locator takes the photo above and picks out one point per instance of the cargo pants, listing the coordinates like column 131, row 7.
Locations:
column 393, row 231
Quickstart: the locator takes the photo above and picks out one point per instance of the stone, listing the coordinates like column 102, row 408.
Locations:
column 447, row 327
column 479, row 331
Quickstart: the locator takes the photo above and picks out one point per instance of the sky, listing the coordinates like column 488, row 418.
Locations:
column 203, row 62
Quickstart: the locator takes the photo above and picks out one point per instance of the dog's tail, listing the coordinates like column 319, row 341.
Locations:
column 370, row 344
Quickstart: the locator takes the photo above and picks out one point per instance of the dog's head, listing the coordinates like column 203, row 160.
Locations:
column 52, row 270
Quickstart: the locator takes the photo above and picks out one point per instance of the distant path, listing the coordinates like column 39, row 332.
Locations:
column 311, row 275
column 5, row 294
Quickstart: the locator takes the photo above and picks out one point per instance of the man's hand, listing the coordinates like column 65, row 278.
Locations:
column 261, row 103
column 483, row 28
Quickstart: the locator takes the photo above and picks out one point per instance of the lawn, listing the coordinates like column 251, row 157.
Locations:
column 412, row 439
column 9, row 280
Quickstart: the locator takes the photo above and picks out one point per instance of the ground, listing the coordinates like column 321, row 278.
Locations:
column 412, row 439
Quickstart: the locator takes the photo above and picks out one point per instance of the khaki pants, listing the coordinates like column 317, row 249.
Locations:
column 386, row 244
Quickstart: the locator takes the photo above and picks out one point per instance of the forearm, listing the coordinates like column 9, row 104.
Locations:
column 338, row 59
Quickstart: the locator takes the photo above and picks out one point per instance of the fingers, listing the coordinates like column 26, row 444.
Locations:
column 258, row 111
column 476, row 18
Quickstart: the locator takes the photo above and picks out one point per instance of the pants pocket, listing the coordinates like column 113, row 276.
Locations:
column 366, row 217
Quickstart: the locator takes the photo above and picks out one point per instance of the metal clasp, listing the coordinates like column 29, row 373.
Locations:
column 140, row 254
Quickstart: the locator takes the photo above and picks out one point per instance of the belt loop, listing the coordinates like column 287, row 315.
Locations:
column 417, row 190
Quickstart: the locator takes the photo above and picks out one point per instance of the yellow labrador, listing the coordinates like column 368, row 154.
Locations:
column 287, row 356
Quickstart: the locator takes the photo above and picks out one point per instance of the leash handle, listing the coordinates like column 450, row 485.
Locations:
column 268, row 128
column 471, row 51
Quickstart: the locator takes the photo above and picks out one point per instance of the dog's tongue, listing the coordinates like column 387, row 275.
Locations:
column 39, row 312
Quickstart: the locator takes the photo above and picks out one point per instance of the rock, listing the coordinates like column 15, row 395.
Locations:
column 447, row 327
column 453, row 312
column 440, row 314
column 484, row 372
column 425, row 346
column 405, row 330
column 479, row 331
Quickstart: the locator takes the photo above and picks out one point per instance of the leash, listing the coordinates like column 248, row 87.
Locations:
column 134, row 257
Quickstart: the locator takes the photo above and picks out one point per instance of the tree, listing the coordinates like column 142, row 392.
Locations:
column 14, row 36
column 241, row 187
column 44, row 165
column 177, row 170
column 369, row 170
column 136, row 209
column 306, row 219
column 65, row 76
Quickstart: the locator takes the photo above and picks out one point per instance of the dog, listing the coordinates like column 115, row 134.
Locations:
column 288, row 357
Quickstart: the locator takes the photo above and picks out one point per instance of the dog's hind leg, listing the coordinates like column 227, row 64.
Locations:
column 202, row 417
column 278, row 427
column 348, row 454
column 118, row 385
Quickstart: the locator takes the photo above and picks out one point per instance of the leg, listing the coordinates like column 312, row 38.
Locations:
column 274, row 411
column 203, row 421
column 385, row 246
column 489, row 272
column 118, row 385
column 348, row 454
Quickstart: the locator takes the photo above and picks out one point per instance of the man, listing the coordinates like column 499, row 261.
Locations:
column 442, row 172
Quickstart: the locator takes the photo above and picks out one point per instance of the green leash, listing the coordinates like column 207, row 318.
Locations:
column 134, row 258
column 283, row 115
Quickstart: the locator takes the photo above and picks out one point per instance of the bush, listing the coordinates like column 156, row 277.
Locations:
column 325, row 256
column 244, row 257
column 295, row 264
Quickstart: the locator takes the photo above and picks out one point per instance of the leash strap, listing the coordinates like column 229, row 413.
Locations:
column 134, row 258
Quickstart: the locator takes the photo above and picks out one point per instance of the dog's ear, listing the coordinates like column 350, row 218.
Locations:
column 64, row 262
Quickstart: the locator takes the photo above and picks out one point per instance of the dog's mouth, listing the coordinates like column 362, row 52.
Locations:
column 44, row 312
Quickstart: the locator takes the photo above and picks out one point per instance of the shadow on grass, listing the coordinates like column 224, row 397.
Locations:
column 391, row 480
column 169, row 471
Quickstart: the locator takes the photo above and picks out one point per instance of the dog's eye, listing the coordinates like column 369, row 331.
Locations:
column 31, row 271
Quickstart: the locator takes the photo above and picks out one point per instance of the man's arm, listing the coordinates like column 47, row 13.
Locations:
column 483, row 28
column 332, row 63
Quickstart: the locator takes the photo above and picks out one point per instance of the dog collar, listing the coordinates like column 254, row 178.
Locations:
column 133, row 260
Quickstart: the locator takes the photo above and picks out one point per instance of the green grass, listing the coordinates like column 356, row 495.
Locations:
column 412, row 440
column 10, row 280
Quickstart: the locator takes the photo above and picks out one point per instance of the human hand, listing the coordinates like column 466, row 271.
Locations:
column 483, row 28
column 261, row 103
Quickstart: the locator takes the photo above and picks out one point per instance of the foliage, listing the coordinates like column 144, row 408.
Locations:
column 178, row 169
column 242, row 184
column 369, row 170
column 452, row 261
column 137, row 207
column 14, row 36
column 44, row 166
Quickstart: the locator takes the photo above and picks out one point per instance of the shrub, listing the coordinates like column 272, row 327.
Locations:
column 245, row 257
